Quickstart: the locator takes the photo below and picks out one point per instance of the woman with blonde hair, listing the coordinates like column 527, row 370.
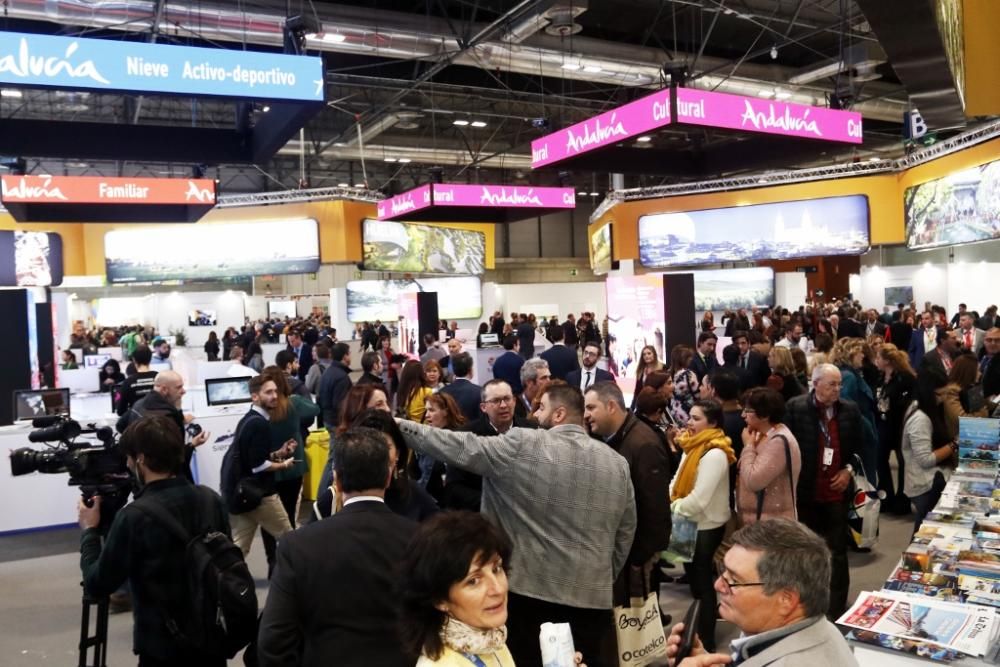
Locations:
column 893, row 396
column 783, row 373
column 849, row 356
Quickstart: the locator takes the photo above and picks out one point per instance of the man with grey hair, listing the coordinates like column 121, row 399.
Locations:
column 535, row 376
column 773, row 586
column 828, row 430
column 606, row 416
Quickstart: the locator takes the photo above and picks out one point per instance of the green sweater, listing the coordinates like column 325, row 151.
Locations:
column 299, row 409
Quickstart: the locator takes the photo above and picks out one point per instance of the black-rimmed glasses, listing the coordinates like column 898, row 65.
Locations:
column 730, row 586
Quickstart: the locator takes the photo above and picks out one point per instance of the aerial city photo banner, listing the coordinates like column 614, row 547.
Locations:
column 191, row 252
column 459, row 298
column 783, row 230
column 119, row 65
column 415, row 248
column 963, row 207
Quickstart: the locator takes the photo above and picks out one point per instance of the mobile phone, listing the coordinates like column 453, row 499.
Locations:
column 690, row 625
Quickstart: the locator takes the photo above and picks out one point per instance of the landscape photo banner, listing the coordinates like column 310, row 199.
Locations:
column 414, row 248
column 118, row 65
column 755, row 114
column 101, row 190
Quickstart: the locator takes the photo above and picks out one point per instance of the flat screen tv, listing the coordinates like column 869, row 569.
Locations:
column 731, row 289
column 601, row 250
column 199, row 317
column 963, row 207
column 414, row 248
column 784, row 230
column 227, row 391
column 281, row 309
column 206, row 251
column 30, row 404
column 459, row 298
column 30, row 259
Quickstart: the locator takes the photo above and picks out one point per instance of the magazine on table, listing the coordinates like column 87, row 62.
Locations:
column 962, row 627
column 916, row 647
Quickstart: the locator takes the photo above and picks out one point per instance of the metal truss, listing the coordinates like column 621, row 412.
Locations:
column 847, row 170
column 298, row 196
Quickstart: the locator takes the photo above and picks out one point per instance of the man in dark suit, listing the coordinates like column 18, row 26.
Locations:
column 873, row 325
column 990, row 365
column 590, row 374
column 303, row 352
column 465, row 392
column 731, row 364
column 753, row 364
column 333, row 585
column 704, row 362
column 849, row 326
column 944, row 354
column 507, row 366
column 562, row 360
column 924, row 338
column 464, row 490
column 526, row 337
column 570, row 336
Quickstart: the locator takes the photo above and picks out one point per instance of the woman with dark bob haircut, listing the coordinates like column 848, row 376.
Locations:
column 769, row 465
column 454, row 593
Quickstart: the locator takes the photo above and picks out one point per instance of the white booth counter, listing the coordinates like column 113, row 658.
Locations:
column 37, row 501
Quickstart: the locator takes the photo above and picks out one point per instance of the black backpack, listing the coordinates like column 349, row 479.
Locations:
column 220, row 618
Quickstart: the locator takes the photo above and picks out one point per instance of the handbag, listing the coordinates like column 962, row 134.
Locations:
column 863, row 514
column 639, row 631
column 683, row 539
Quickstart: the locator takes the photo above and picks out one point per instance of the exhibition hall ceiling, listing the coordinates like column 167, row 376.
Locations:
column 466, row 85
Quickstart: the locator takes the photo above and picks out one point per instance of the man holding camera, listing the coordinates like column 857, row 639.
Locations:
column 142, row 550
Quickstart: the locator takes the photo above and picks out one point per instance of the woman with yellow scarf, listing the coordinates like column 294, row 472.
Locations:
column 700, row 492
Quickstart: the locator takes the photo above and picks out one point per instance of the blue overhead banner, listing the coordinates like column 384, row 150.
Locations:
column 100, row 64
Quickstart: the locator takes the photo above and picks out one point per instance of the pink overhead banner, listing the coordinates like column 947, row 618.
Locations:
column 408, row 202
column 475, row 196
column 697, row 107
column 754, row 114
column 626, row 121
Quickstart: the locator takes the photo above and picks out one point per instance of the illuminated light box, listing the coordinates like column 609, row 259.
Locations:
column 732, row 289
column 99, row 199
column 204, row 251
column 602, row 250
column 784, row 230
column 459, row 298
column 448, row 202
column 963, row 207
column 613, row 130
column 30, row 259
column 414, row 248
column 79, row 63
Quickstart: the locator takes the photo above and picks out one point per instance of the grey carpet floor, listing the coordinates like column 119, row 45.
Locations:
column 40, row 595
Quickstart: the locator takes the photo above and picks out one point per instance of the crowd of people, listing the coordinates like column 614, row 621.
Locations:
column 464, row 516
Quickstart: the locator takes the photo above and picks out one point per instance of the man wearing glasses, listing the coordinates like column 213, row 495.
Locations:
column 828, row 430
column 773, row 586
column 464, row 489
column 990, row 365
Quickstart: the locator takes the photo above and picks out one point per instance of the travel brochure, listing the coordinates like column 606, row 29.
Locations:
column 942, row 600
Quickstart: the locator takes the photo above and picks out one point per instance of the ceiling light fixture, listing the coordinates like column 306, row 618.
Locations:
column 571, row 66
column 404, row 160
column 389, row 159
column 592, row 69
column 460, row 123
column 359, row 185
column 782, row 94
column 595, row 194
column 478, row 123
column 265, row 108
column 12, row 94
column 333, row 38
column 774, row 53
column 581, row 193
column 343, row 185
column 644, row 139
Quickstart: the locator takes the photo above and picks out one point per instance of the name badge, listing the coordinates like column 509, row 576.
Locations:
column 827, row 456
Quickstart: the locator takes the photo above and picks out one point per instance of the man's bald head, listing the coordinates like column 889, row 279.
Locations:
column 170, row 385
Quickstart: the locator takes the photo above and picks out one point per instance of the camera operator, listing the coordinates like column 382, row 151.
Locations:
column 138, row 548
column 165, row 400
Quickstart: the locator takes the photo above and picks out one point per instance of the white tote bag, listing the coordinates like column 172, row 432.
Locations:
column 640, row 634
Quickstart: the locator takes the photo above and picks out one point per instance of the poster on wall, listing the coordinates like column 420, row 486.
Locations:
column 189, row 252
column 370, row 300
column 281, row 310
column 784, row 230
column 30, row 259
column 201, row 317
column 731, row 289
column 897, row 295
column 963, row 207
column 635, row 321
column 601, row 250
column 413, row 248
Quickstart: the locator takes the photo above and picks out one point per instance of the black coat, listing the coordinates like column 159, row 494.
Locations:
column 756, row 372
column 332, row 598
column 526, row 339
column 333, row 387
column 701, row 367
column 802, row 420
column 562, row 360
column 574, row 378
column 463, row 490
column 305, row 359
column 468, row 395
column 991, row 377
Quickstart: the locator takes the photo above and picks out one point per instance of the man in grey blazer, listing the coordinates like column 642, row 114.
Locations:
column 774, row 585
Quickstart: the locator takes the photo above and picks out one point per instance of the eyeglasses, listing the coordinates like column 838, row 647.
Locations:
column 497, row 402
column 992, row 340
column 729, row 586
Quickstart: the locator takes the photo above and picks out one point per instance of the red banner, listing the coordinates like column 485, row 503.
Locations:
column 99, row 190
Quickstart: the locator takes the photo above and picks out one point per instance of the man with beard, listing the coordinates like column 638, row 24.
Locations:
column 567, row 503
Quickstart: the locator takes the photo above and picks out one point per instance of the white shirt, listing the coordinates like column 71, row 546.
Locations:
column 586, row 382
column 358, row 499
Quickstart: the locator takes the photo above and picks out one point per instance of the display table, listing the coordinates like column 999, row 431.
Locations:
column 871, row 656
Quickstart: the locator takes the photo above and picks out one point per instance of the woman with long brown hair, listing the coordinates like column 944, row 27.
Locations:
column 648, row 363
column 892, row 398
column 962, row 396
column 443, row 412
column 413, row 392
column 686, row 385
column 434, row 374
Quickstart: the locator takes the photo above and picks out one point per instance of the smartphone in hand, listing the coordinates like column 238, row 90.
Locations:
column 690, row 626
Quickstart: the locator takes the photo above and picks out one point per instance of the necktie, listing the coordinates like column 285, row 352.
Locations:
column 968, row 339
column 586, row 383
column 743, row 362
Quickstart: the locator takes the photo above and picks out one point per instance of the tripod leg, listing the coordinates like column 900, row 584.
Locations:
column 99, row 641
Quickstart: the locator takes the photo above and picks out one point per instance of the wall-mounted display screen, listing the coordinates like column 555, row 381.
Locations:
column 281, row 309
column 963, row 207
column 30, row 259
column 413, row 248
column 784, row 230
column 730, row 289
column 601, row 250
column 898, row 295
column 189, row 252
column 635, row 320
column 370, row 300
column 199, row 317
